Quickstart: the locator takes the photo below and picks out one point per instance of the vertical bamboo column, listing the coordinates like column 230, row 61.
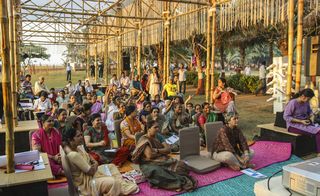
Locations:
column 119, row 42
column 299, row 45
column 16, row 11
column 208, row 54
column 139, row 13
column 12, row 62
column 213, row 45
column 290, row 48
column 88, row 59
column 165, row 67
column 6, row 90
column 106, row 61
column 166, row 40
column 95, row 63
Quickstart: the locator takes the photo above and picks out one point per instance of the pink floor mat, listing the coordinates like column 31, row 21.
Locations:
column 265, row 154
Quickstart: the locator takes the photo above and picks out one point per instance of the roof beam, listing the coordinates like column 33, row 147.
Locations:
column 58, row 32
column 88, row 14
column 187, row 2
column 75, row 23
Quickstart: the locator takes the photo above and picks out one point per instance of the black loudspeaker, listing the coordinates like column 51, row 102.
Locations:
column 312, row 56
column 280, row 122
column 126, row 63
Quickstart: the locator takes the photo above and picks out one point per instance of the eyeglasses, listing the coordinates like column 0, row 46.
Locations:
column 50, row 120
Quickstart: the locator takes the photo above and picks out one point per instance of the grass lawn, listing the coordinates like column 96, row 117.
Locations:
column 57, row 79
column 253, row 110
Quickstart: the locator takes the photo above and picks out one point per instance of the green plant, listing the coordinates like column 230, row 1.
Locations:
column 245, row 84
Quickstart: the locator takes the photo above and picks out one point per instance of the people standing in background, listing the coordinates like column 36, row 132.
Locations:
column 68, row 69
column 100, row 67
column 154, row 83
column 92, row 71
column 182, row 79
column 262, row 79
column 247, row 71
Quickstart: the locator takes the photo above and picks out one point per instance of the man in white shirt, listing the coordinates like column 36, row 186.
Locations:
column 114, row 81
column 42, row 104
column 68, row 69
column 247, row 71
column 62, row 99
column 182, row 78
column 262, row 79
column 40, row 86
column 125, row 81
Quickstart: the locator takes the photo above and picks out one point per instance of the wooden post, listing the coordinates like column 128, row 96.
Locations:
column 16, row 13
column 208, row 54
column 106, row 61
column 139, row 12
column 213, row 45
column 119, row 45
column 88, row 60
column 6, row 90
column 299, row 45
column 166, row 39
column 12, row 62
column 290, row 49
column 95, row 63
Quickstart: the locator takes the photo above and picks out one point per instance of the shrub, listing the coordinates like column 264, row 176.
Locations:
column 245, row 84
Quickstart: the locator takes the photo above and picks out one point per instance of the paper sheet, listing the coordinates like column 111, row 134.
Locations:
column 253, row 173
column 171, row 140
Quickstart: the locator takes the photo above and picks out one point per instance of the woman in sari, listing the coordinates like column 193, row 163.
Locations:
column 84, row 169
column 223, row 98
column 230, row 146
column 154, row 83
column 60, row 122
column 160, row 170
column 97, row 140
column 48, row 139
column 129, row 127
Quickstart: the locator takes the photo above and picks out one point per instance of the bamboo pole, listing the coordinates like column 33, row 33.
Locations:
column 88, row 60
column 95, row 64
column 12, row 62
column 139, row 12
column 208, row 54
column 16, row 14
column 6, row 90
column 290, row 48
column 168, row 46
column 299, row 45
column 213, row 45
column 119, row 43
column 106, row 60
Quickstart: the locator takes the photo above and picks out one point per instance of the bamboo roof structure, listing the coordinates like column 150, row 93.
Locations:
column 93, row 21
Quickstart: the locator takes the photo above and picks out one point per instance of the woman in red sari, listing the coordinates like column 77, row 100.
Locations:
column 48, row 139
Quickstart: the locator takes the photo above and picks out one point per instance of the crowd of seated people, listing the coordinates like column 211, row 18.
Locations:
column 83, row 123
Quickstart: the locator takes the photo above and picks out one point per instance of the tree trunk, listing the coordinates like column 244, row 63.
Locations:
column 270, row 52
column 243, row 55
column 221, row 48
column 159, row 50
column 283, row 46
column 200, row 89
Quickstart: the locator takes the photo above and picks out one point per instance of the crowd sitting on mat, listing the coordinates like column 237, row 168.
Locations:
column 83, row 120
